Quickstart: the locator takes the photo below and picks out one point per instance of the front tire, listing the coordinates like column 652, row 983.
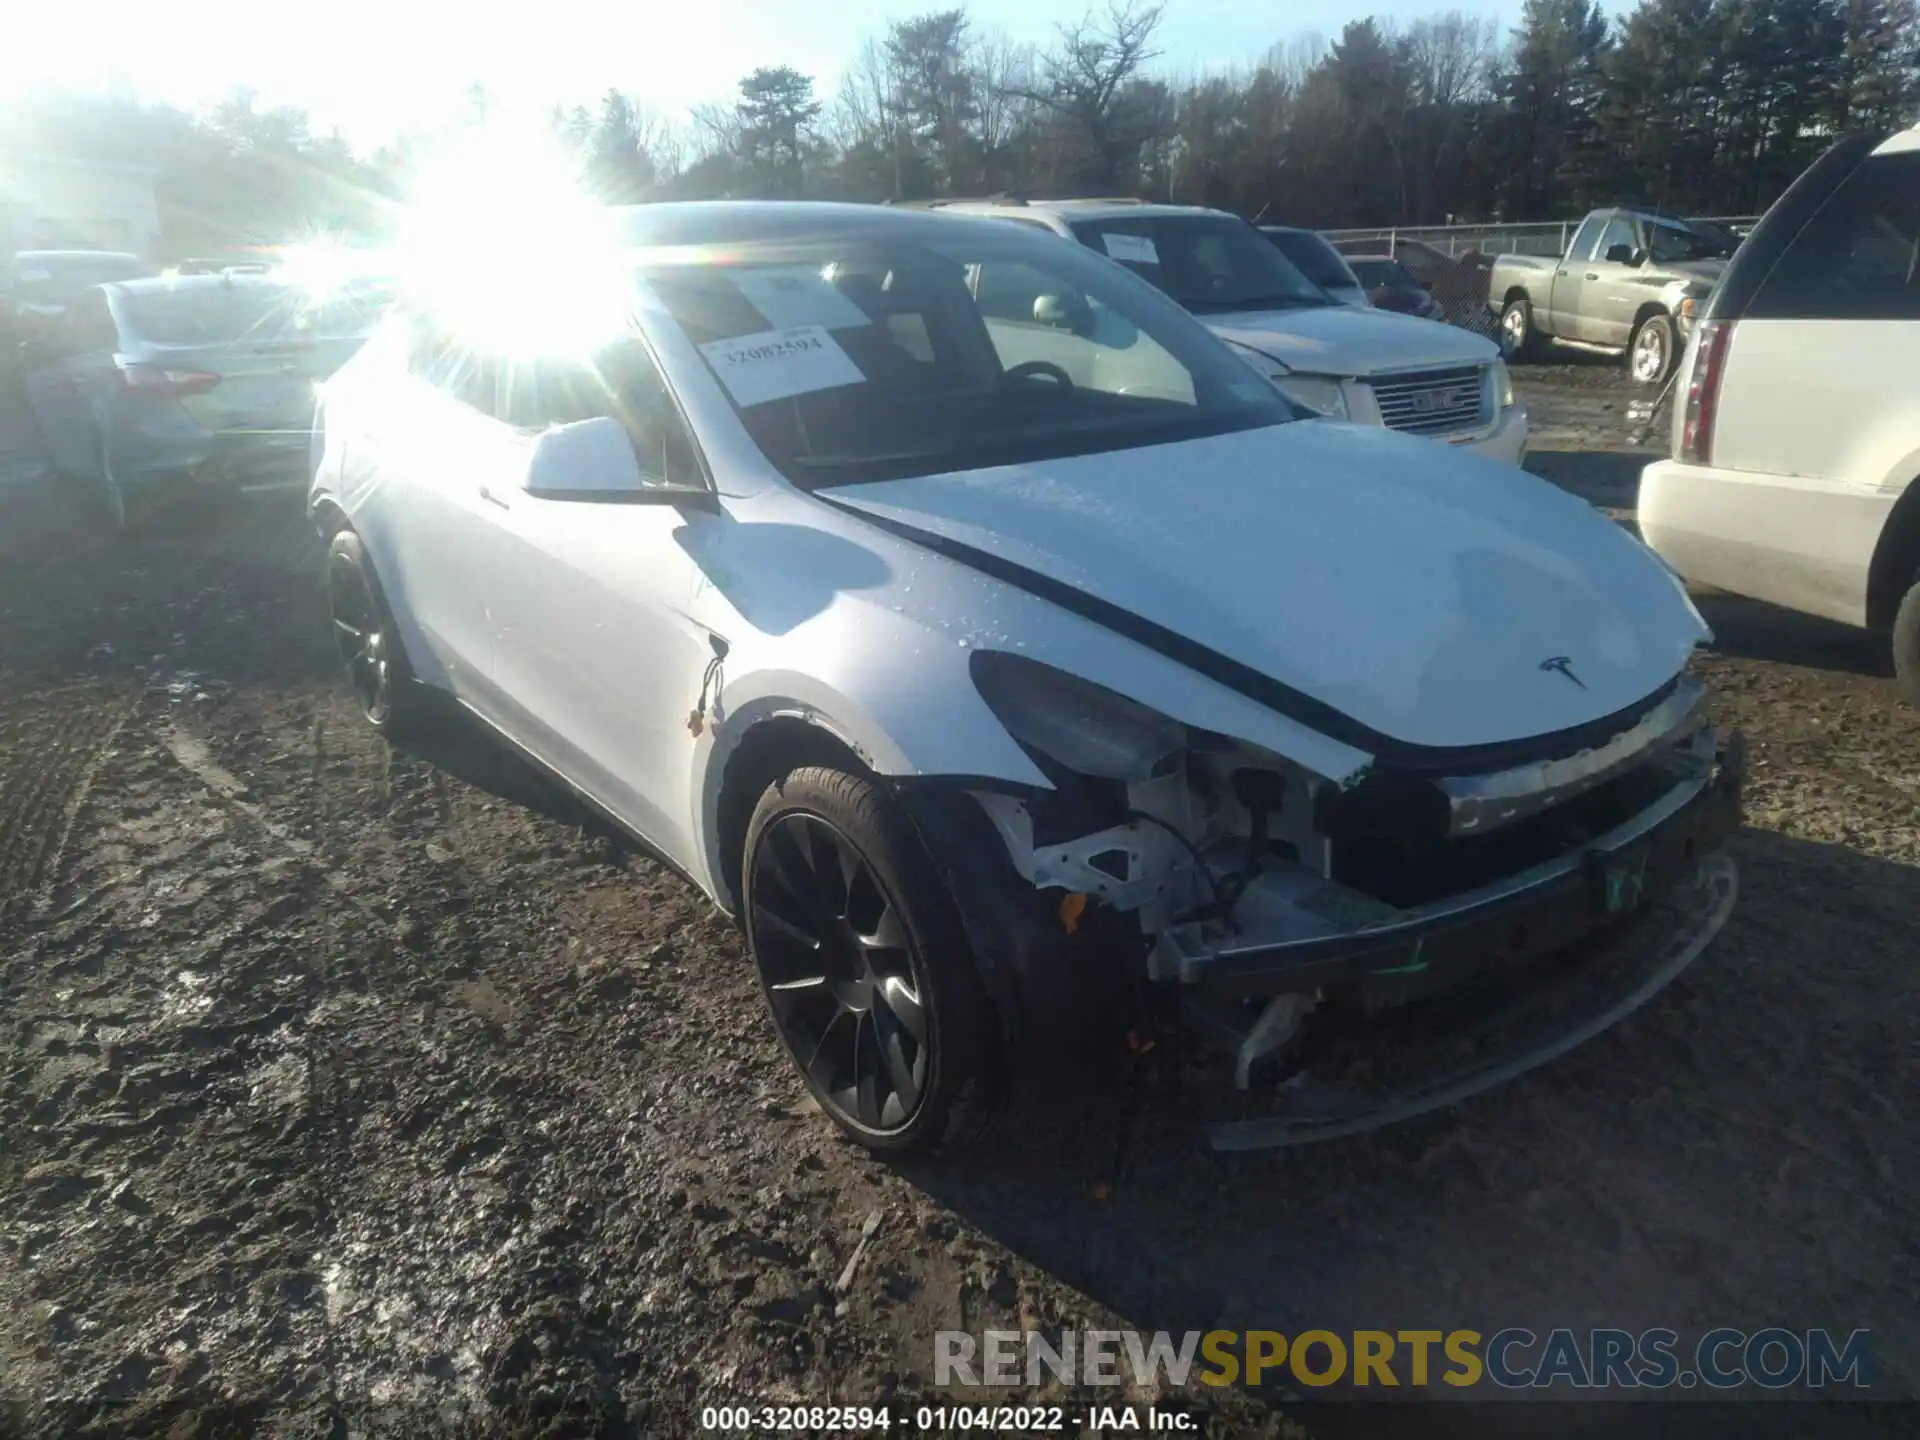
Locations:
column 384, row 689
column 1518, row 339
column 1906, row 645
column 1651, row 352
column 864, row 964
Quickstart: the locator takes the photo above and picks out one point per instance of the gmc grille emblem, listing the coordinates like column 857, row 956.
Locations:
column 1432, row 401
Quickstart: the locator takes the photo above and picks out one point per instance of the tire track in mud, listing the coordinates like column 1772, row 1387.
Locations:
column 155, row 1099
column 158, row 1188
column 51, row 746
column 74, row 642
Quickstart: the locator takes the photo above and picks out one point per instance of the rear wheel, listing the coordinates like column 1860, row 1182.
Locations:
column 388, row 696
column 1651, row 352
column 1906, row 645
column 864, row 964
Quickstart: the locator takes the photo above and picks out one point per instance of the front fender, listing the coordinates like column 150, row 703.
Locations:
column 896, row 733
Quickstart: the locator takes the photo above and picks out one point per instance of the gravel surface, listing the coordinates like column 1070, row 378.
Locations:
column 342, row 1080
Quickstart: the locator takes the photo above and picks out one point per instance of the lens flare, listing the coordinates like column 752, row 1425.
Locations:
column 504, row 246
column 321, row 267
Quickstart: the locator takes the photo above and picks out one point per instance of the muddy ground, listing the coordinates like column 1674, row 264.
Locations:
column 340, row 1081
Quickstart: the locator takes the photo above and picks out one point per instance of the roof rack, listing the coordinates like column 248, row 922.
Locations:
column 1104, row 200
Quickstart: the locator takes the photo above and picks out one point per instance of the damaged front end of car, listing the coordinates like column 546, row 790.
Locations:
column 1452, row 923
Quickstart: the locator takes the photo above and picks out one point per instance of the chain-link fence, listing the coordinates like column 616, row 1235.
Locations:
column 1453, row 261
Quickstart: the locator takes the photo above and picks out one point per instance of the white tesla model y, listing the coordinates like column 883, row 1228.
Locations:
column 965, row 619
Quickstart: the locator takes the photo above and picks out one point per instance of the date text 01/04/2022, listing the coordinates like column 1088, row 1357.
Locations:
column 943, row 1419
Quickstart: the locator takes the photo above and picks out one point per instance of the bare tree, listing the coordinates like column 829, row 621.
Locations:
column 1450, row 57
column 715, row 130
column 1084, row 81
column 1292, row 61
column 1005, row 74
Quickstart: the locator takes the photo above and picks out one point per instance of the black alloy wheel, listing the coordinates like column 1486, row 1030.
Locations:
column 841, row 974
column 363, row 632
column 864, row 964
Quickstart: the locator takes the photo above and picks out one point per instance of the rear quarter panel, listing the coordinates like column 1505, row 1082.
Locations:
column 1823, row 400
column 1817, row 436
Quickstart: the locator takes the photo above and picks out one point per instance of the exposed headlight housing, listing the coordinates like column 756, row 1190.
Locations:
column 1086, row 727
column 1502, row 379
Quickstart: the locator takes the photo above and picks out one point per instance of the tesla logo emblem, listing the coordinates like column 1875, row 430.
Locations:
column 1562, row 665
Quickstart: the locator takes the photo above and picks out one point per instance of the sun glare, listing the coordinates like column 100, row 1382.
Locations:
column 504, row 245
column 320, row 267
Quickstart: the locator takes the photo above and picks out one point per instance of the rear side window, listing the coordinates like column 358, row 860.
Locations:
column 1859, row 256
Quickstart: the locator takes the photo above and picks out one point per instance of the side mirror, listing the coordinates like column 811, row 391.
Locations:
column 1064, row 312
column 1640, row 257
column 595, row 462
column 1621, row 255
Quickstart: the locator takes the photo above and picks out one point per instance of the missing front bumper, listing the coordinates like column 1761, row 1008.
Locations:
column 1394, row 956
column 1535, row 1024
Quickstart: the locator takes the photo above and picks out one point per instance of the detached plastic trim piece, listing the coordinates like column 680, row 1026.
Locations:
column 1696, row 911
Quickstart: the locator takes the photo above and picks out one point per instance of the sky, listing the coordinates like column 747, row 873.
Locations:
column 373, row 68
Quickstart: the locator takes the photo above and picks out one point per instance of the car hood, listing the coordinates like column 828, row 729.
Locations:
column 1344, row 341
column 1418, row 590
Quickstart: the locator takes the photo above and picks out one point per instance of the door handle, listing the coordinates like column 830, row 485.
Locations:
column 493, row 499
column 1560, row 272
column 1593, row 275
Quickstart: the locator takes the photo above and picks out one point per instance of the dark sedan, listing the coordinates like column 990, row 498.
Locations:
column 1391, row 286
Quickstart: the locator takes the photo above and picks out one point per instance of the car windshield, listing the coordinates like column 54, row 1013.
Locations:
column 217, row 314
column 1211, row 264
column 1667, row 244
column 873, row 356
column 1312, row 256
column 50, row 279
column 1376, row 273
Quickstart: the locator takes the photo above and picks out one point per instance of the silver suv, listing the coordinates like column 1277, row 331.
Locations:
column 1368, row 366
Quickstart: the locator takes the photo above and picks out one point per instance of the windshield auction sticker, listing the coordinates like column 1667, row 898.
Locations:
column 794, row 296
column 1137, row 248
column 778, row 364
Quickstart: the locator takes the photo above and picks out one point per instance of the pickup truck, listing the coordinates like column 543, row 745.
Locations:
column 1630, row 284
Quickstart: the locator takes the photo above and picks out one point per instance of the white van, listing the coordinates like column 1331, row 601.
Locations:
column 1796, row 430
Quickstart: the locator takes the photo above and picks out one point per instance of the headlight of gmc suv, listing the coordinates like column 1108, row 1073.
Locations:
column 1320, row 395
column 1502, row 380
